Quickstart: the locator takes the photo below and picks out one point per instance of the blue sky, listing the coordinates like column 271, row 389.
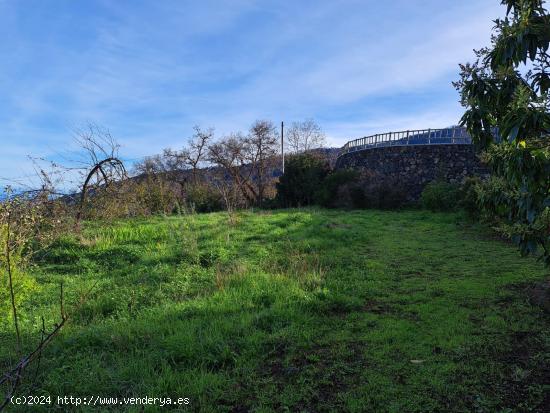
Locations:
column 150, row 70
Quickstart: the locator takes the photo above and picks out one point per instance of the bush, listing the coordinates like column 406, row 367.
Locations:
column 469, row 199
column 307, row 180
column 349, row 190
column 440, row 196
column 385, row 193
column 204, row 198
column 149, row 195
column 329, row 193
column 304, row 175
column 490, row 200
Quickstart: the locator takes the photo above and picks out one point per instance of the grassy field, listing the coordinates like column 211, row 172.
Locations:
column 298, row 310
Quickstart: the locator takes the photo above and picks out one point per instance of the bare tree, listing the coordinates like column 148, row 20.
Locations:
column 262, row 145
column 231, row 154
column 197, row 147
column 246, row 159
column 228, row 193
column 102, row 165
column 305, row 136
column 193, row 156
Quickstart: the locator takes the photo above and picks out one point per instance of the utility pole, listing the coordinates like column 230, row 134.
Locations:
column 282, row 144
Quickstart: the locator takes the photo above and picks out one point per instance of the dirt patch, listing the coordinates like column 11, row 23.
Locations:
column 331, row 372
column 539, row 294
column 377, row 307
column 322, row 371
column 525, row 371
column 381, row 308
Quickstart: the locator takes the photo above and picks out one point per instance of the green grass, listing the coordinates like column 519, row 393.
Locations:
column 298, row 310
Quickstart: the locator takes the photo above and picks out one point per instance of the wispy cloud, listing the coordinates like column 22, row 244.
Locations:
column 149, row 71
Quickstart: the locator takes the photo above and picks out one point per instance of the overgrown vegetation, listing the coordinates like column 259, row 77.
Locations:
column 208, row 173
column 301, row 309
column 441, row 196
column 308, row 180
column 26, row 228
column 303, row 177
column 298, row 310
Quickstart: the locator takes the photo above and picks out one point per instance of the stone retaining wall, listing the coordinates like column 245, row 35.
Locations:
column 415, row 166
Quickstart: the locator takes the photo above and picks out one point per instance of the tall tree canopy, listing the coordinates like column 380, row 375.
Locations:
column 507, row 87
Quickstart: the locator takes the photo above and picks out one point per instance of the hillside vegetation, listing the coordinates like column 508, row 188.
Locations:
column 296, row 310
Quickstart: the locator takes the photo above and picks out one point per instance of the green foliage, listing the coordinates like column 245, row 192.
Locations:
column 304, row 174
column 327, row 193
column 508, row 88
column 496, row 199
column 150, row 195
column 383, row 193
column 204, row 198
column 308, row 180
column 26, row 227
column 469, row 200
column 23, row 285
column 283, row 310
column 440, row 196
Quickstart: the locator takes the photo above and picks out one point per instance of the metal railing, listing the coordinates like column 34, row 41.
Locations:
column 447, row 136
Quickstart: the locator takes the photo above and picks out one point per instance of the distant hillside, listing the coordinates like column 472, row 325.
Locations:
column 274, row 171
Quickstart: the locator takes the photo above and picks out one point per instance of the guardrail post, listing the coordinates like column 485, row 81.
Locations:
column 429, row 137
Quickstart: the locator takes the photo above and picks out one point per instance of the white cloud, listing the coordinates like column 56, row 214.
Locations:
column 151, row 72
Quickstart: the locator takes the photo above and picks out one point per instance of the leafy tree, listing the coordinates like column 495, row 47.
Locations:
column 304, row 175
column 327, row 194
column 507, row 87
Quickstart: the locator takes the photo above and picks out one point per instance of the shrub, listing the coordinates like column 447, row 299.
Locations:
column 347, row 189
column 330, row 191
column 307, row 181
column 469, row 199
column 144, row 196
column 204, row 198
column 440, row 196
column 385, row 193
column 304, row 174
